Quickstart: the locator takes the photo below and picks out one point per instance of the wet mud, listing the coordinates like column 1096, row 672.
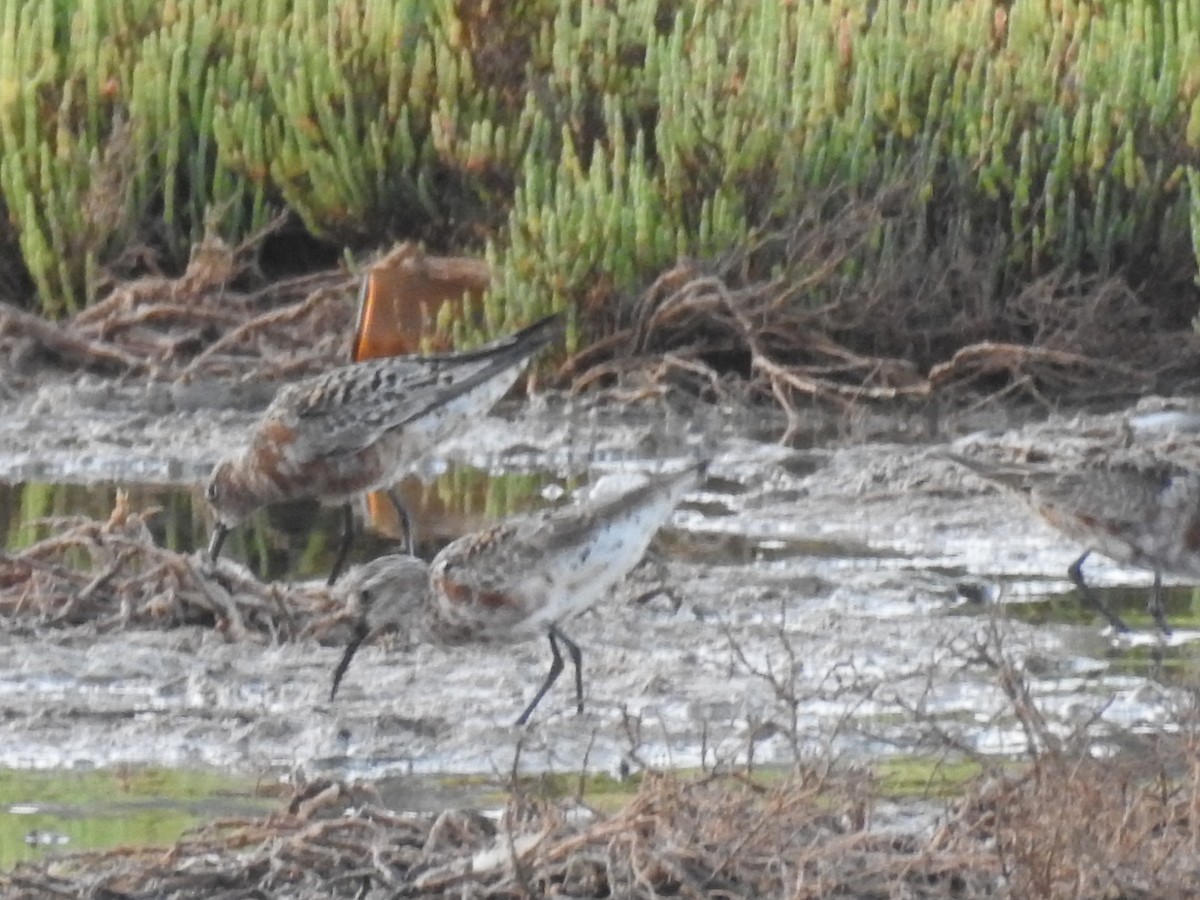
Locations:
column 829, row 597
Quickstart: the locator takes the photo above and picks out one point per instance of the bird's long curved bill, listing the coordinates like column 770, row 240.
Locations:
column 356, row 639
column 220, row 532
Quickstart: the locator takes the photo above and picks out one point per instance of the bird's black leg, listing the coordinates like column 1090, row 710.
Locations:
column 577, row 659
column 356, row 638
column 1089, row 597
column 410, row 538
column 344, row 547
column 1156, row 605
column 556, row 667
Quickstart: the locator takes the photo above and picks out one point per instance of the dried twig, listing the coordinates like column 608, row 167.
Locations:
column 67, row 346
column 112, row 574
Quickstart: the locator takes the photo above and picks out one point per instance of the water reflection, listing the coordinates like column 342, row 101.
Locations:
column 1130, row 602
column 292, row 540
column 65, row 812
column 34, row 511
column 731, row 548
column 1144, row 653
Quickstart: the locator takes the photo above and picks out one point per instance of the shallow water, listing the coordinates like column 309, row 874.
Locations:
column 67, row 811
column 290, row 540
column 822, row 605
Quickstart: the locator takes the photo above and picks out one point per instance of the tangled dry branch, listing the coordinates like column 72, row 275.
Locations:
column 855, row 300
column 862, row 305
column 706, row 838
column 199, row 324
column 1063, row 828
column 112, row 575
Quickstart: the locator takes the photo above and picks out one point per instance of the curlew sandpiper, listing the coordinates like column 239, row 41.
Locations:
column 520, row 578
column 1139, row 511
column 359, row 427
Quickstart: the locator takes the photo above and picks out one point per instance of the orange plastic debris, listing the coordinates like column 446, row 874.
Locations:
column 403, row 294
column 398, row 304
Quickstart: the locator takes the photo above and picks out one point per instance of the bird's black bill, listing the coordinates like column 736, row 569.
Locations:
column 356, row 639
column 344, row 547
column 410, row 537
column 220, row 532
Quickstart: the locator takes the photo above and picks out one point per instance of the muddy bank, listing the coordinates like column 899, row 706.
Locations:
column 820, row 598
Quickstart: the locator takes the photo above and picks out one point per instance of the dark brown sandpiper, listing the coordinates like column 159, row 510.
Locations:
column 1137, row 511
column 361, row 427
column 518, row 579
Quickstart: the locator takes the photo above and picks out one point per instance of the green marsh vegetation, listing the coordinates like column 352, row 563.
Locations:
column 73, row 811
column 830, row 195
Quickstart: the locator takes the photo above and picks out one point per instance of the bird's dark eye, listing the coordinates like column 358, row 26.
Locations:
column 364, row 597
column 211, row 492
